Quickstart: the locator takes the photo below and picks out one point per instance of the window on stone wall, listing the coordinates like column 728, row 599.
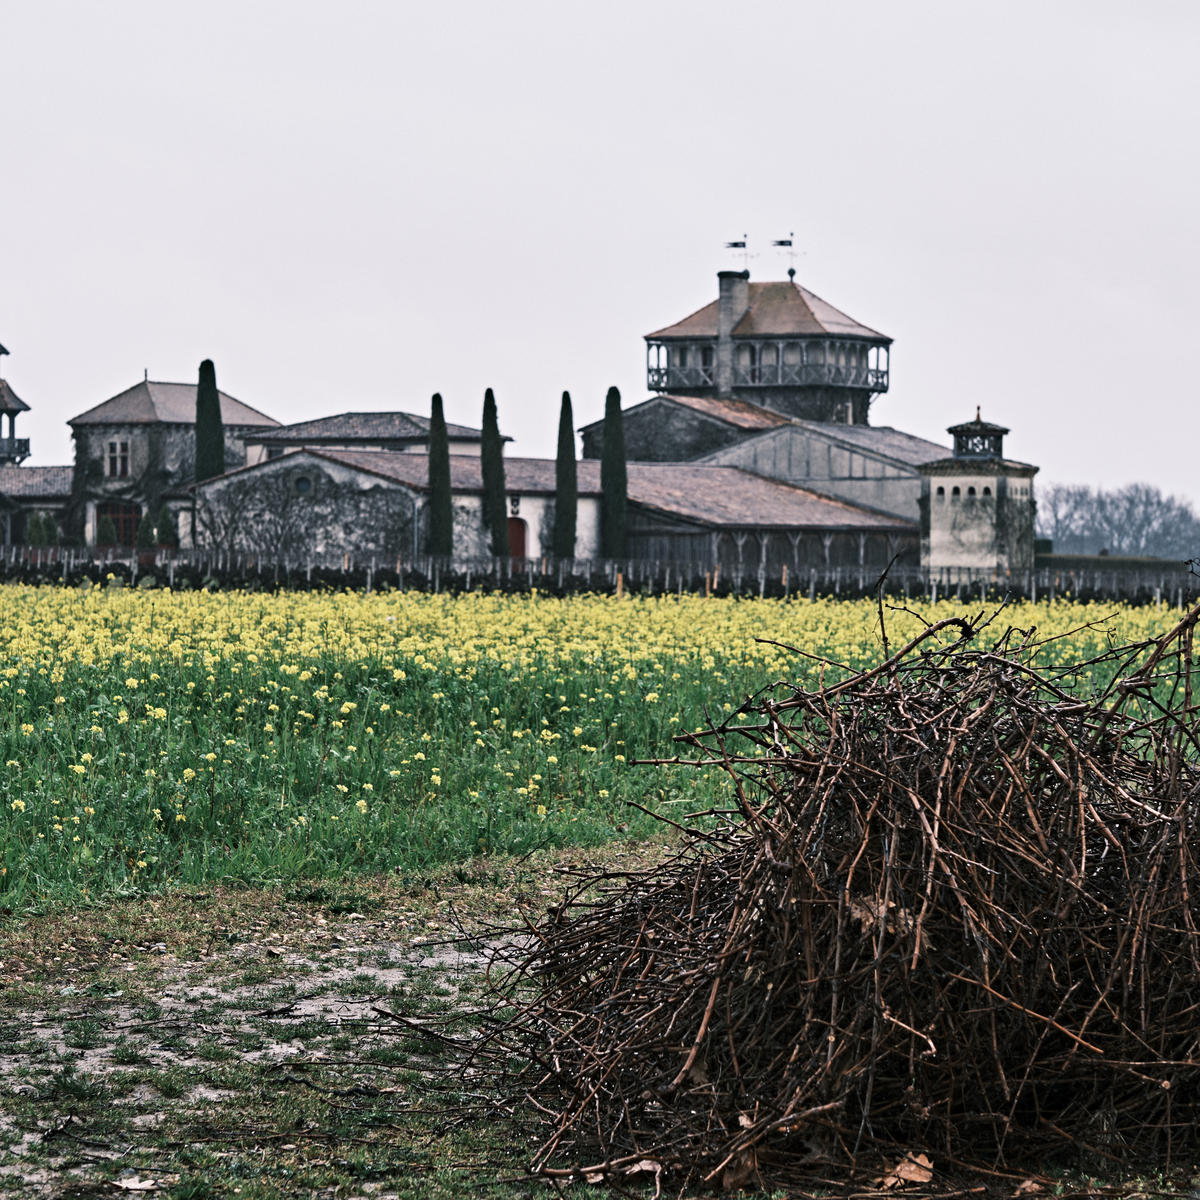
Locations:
column 124, row 517
column 118, row 460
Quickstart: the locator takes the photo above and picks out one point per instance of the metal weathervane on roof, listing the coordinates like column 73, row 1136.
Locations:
column 743, row 246
column 786, row 244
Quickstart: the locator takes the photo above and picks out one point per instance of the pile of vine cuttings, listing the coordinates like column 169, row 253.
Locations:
column 949, row 923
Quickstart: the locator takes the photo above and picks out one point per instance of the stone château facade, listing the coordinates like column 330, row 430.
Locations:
column 755, row 452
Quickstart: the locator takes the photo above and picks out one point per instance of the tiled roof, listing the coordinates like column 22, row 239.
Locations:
column 148, row 402
column 722, row 497
column 739, row 413
column 365, row 426
column 782, row 309
column 734, row 412
column 32, row 483
column 977, row 466
column 9, row 400
column 880, row 439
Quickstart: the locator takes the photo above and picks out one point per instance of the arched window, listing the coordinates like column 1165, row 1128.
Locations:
column 987, row 491
column 955, row 491
column 941, row 490
column 970, row 491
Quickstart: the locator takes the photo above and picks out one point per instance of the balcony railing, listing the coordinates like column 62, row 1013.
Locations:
column 668, row 379
column 14, row 449
column 874, row 379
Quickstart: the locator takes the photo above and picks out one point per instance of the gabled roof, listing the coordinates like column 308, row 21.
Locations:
column 9, row 400
column 879, row 439
column 783, row 309
column 148, row 402
column 739, row 413
column 367, row 427
column 35, row 483
column 718, row 497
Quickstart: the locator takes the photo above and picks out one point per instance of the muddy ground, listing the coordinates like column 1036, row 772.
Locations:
column 263, row 1043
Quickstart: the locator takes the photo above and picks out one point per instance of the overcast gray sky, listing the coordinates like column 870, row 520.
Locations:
column 349, row 206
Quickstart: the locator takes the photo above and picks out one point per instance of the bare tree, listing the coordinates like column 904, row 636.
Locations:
column 1136, row 520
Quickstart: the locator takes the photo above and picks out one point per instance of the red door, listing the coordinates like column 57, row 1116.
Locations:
column 516, row 537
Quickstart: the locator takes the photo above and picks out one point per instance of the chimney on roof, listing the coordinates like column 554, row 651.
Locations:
column 733, row 299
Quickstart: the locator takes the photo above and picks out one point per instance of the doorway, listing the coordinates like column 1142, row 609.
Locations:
column 516, row 537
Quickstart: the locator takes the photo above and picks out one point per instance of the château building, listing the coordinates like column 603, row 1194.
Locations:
column 754, row 450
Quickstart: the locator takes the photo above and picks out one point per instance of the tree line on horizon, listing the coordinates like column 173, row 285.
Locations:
column 1135, row 521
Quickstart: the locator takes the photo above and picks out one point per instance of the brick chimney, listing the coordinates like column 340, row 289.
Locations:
column 732, row 301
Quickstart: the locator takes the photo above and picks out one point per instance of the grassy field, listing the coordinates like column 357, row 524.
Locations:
column 239, row 834
column 156, row 738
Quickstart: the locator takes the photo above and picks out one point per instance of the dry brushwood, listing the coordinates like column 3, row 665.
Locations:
column 951, row 912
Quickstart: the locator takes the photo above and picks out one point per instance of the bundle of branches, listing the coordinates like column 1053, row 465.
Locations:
column 951, row 917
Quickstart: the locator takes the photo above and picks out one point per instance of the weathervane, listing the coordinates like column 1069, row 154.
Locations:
column 742, row 246
column 786, row 244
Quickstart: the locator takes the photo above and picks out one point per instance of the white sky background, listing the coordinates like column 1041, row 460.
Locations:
column 349, row 206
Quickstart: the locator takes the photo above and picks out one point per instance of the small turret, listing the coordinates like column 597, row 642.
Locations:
column 977, row 506
column 13, row 450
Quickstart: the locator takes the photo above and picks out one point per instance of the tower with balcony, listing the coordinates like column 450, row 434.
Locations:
column 13, row 450
column 775, row 345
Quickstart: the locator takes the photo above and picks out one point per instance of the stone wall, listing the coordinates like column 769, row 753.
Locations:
column 660, row 431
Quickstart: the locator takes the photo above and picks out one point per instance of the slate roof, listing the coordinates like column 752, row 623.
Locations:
column 148, row 402
column 783, row 309
column 732, row 412
column 367, row 427
column 9, row 400
column 880, row 439
column 739, row 413
column 719, row 497
column 33, row 483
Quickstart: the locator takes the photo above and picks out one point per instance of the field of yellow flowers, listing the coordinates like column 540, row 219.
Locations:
column 158, row 737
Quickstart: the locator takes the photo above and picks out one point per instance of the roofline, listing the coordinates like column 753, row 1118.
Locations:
column 767, row 337
column 678, row 397
column 170, row 383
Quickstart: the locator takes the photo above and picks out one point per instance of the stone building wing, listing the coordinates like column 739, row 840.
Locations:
column 675, row 428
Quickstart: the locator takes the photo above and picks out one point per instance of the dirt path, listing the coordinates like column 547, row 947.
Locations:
column 259, row 1043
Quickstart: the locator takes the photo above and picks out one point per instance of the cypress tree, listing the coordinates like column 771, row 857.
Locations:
column 164, row 525
column 35, row 534
column 106, row 531
column 441, row 527
column 143, row 539
column 210, row 433
column 491, row 463
column 566, row 485
column 613, row 479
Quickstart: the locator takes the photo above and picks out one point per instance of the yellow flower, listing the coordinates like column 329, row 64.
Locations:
column 26, row 729
column 180, row 817
column 18, row 806
column 78, row 768
column 188, row 773
column 361, row 806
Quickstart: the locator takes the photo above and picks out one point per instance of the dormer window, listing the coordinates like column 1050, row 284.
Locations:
column 118, row 460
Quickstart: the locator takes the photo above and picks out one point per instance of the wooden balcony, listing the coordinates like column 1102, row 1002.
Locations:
column 14, row 450
column 872, row 379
